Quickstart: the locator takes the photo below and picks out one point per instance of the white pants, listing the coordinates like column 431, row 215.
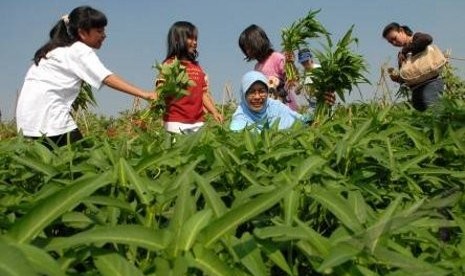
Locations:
column 181, row 128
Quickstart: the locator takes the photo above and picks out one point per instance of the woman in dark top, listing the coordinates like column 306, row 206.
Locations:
column 428, row 92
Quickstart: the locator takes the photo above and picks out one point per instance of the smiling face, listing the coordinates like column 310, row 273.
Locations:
column 93, row 37
column 191, row 44
column 256, row 96
column 398, row 38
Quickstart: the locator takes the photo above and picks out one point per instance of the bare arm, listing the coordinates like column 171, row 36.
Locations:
column 210, row 106
column 117, row 83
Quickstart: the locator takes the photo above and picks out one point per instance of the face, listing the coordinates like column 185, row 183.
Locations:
column 248, row 53
column 397, row 38
column 192, row 45
column 93, row 37
column 256, row 96
column 307, row 64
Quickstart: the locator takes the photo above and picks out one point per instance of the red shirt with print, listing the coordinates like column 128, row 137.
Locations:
column 188, row 109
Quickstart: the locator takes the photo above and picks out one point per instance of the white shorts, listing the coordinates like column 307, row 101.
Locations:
column 182, row 128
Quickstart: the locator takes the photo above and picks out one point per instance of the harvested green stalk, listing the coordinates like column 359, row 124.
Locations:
column 84, row 98
column 341, row 70
column 295, row 37
column 172, row 82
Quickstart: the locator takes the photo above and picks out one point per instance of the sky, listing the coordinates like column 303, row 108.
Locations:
column 137, row 30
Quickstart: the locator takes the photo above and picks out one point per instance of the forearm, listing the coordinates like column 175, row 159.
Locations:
column 117, row 83
column 208, row 103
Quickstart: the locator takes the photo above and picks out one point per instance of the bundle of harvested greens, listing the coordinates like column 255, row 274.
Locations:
column 341, row 70
column 84, row 98
column 295, row 37
column 172, row 82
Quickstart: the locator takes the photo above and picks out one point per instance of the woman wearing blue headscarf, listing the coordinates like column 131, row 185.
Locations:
column 257, row 109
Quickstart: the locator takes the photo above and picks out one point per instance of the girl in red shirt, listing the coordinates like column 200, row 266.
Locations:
column 186, row 114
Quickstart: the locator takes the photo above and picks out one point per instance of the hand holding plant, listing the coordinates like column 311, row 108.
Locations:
column 294, row 37
column 341, row 69
column 172, row 83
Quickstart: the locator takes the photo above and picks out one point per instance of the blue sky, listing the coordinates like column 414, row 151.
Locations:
column 136, row 36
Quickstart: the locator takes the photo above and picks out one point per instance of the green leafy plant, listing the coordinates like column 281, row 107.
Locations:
column 341, row 69
column 172, row 83
column 85, row 98
column 295, row 37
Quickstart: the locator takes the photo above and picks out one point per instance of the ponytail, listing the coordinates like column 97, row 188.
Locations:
column 59, row 37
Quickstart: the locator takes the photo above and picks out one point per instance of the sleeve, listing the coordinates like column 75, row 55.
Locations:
column 280, row 67
column 419, row 43
column 89, row 68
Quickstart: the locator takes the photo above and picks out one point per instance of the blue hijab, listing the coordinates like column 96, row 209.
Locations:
column 271, row 111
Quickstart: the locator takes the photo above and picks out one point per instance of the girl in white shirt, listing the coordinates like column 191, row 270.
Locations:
column 53, row 82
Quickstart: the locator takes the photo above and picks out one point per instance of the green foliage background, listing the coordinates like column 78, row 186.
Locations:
column 376, row 190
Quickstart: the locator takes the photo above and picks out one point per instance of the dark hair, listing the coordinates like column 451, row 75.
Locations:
column 177, row 40
column 65, row 34
column 255, row 40
column 394, row 26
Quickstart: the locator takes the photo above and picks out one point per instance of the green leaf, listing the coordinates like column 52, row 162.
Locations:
column 291, row 206
column 36, row 165
column 272, row 251
column 13, row 262
column 129, row 176
column 49, row 209
column 242, row 213
column 183, row 210
column 338, row 206
column 209, row 262
column 339, row 254
column 246, row 249
column 212, row 198
column 135, row 235
column 310, row 164
column 358, row 204
column 108, row 201
column 192, row 227
column 381, row 226
column 408, row 265
column 115, row 265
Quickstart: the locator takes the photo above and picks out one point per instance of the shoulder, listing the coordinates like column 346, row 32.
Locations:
column 277, row 106
column 238, row 120
column 277, row 56
column 80, row 48
column 418, row 35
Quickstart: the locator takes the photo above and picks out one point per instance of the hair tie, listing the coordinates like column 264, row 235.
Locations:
column 65, row 19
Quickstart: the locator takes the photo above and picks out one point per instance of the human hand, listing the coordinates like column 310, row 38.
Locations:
column 291, row 84
column 402, row 57
column 394, row 74
column 330, row 97
column 289, row 56
column 273, row 82
column 151, row 96
column 218, row 117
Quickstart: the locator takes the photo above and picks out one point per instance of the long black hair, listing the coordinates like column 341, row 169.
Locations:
column 65, row 31
column 394, row 26
column 177, row 46
column 255, row 44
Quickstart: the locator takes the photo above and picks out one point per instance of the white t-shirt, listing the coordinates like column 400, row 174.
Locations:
column 50, row 88
column 308, row 75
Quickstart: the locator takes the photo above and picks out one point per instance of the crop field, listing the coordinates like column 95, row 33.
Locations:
column 377, row 189
column 373, row 188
